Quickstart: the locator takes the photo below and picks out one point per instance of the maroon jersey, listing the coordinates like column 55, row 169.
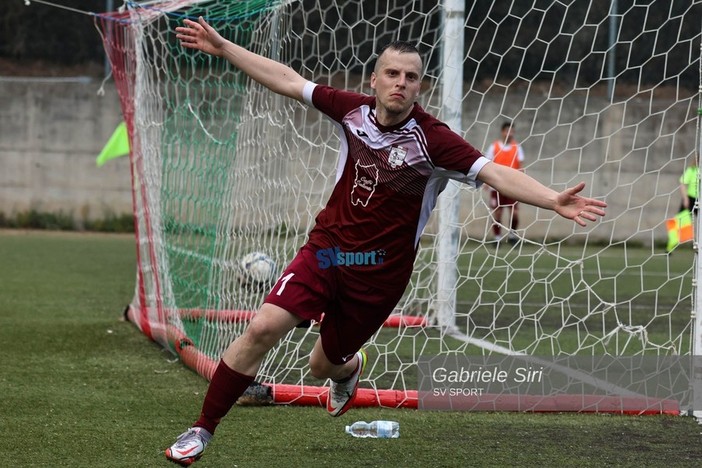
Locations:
column 387, row 183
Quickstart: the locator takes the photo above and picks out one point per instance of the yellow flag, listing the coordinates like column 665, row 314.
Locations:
column 679, row 229
column 117, row 145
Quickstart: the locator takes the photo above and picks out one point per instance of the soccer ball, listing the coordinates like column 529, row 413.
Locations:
column 257, row 270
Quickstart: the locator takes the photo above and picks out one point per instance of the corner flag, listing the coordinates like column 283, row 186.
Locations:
column 116, row 146
column 679, row 229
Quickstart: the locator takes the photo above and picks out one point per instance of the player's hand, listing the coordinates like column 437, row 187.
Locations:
column 580, row 209
column 201, row 36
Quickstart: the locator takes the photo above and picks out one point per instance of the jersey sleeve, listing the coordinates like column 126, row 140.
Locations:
column 685, row 177
column 333, row 102
column 458, row 159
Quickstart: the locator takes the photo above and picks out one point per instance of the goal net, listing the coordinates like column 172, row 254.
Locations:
column 222, row 168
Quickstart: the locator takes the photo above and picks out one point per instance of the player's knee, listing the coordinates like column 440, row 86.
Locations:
column 320, row 367
column 261, row 335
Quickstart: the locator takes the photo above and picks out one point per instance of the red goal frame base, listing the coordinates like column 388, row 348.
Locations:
column 307, row 395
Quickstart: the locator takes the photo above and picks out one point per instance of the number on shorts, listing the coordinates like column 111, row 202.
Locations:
column 283, row 281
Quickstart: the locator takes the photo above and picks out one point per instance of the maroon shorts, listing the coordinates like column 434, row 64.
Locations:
column 353, row 311
column 499, row 200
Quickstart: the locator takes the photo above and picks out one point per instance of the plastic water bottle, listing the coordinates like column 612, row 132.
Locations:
column 375, row 429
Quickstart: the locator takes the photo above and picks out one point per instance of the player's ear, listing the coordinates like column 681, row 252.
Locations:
column 372, row 80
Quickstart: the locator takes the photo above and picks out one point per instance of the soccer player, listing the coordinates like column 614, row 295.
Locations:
column 508, row 152
column 394, row 160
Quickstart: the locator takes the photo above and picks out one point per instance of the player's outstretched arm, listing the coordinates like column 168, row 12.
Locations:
column 275, row 76
column 521, row 187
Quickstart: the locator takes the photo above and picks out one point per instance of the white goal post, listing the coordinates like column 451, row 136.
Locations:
column 222, row 168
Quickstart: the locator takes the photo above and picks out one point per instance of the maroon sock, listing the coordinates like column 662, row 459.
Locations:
column 226, row 386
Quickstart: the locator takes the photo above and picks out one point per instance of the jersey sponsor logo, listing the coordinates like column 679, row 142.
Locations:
column 365, row 183
column 335, row 257
column 397, row 156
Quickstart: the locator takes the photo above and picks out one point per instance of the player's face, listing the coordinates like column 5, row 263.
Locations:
column 396, row 81
column 508, row 134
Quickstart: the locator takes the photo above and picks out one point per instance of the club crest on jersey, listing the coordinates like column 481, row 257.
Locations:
column 397, row 156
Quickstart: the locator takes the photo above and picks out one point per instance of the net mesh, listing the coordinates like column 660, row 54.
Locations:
column 222, row 168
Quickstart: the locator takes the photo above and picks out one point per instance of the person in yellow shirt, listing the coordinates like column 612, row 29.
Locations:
column 508, row 152
column 688, row 188
column 680, row 226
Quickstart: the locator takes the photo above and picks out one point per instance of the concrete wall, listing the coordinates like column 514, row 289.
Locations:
column 51, row 131
column 630, row 153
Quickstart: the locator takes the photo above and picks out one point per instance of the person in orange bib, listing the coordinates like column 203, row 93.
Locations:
column 508, row 152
